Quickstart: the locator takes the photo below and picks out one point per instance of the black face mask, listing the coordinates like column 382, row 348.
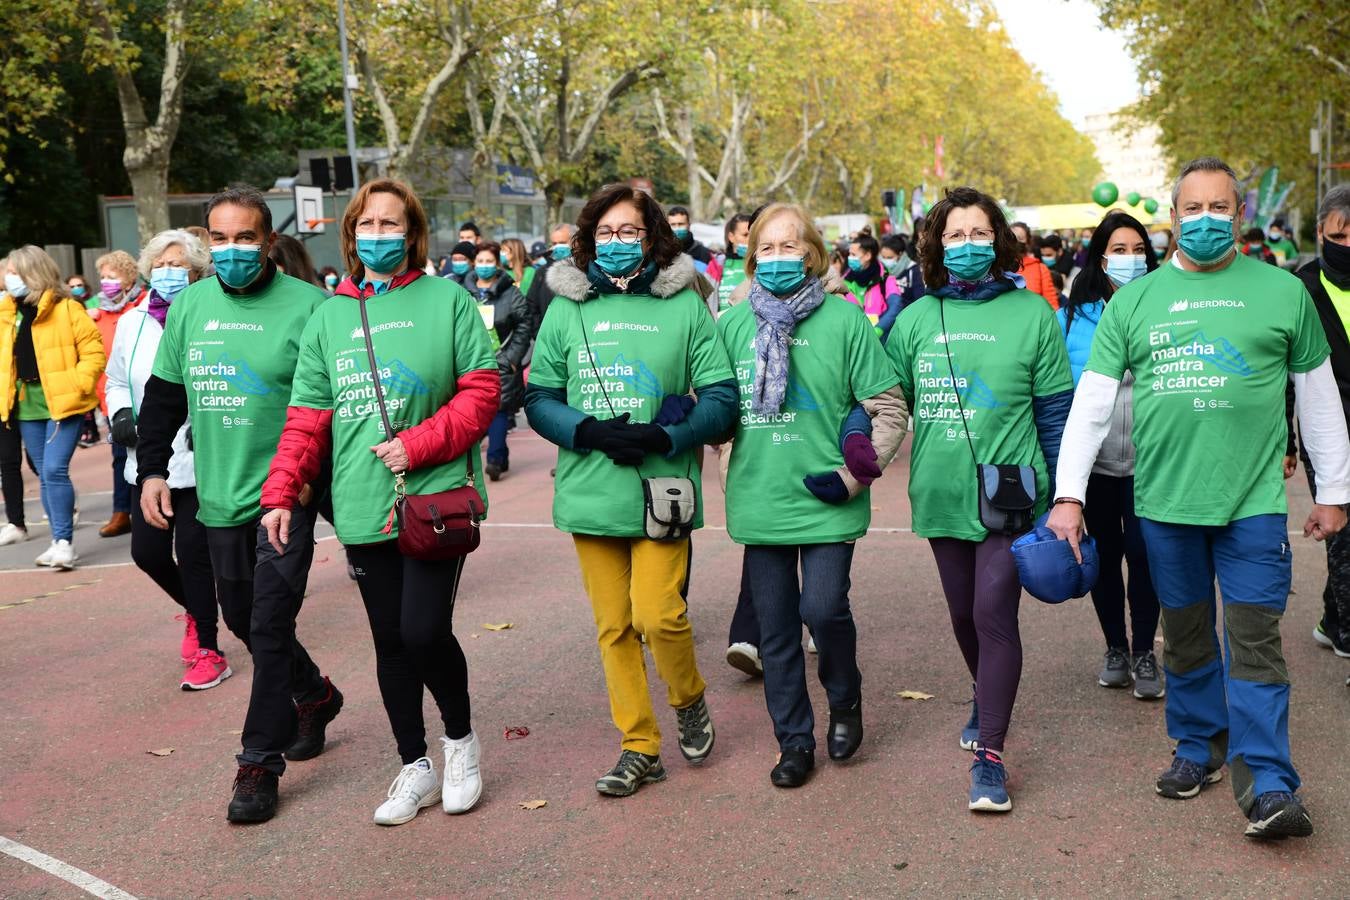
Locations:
column 1336, row 264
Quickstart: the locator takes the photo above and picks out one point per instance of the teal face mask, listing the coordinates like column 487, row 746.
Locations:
column 854, row 264
column 459, row 268
column 1124, row 269
column 617, row 258
column 969, row 261
column 781, row 274
column 381, row 252
column 561, row 251
column 681, row 233
column 505, row 261
column 1206, row 237
column 891, row 265
column 485, row 272
column 237, row 265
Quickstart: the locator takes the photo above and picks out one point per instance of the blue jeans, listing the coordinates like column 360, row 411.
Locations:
column 497, row 452
column 51, row 444
column 1234, row 708
column 820, row 601
column 121, row 490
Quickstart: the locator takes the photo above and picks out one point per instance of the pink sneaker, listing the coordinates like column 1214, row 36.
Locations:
column 208, row 670
column 190, row 645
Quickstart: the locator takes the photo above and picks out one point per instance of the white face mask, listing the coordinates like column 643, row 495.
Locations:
column 14, row 286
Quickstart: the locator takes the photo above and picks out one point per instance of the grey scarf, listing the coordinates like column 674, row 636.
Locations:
column 775, row 318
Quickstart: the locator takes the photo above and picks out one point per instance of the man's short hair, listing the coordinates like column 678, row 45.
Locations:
column 1206, row 164
column 471, row 226
column 246, row 196
column 677, row 211
column 571, row 229
column 1337, row 200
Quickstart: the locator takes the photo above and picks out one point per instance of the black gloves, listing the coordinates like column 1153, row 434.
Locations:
column 123, row 428
column 828, row 488
column 626, row 443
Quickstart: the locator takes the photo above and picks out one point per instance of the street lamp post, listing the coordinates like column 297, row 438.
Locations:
column 347, row 79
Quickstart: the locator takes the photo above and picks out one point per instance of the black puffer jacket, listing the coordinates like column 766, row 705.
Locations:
column 511, row 322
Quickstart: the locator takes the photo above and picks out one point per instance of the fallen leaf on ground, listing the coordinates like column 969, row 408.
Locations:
column 162, row 751
column 534, row 804
column 499, row 626
column 914, row 695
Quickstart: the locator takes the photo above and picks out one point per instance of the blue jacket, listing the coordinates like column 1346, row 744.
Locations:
column 1078, row 336
column 1116, row 458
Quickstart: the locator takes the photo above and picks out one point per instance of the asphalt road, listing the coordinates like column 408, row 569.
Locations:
column 89, row 684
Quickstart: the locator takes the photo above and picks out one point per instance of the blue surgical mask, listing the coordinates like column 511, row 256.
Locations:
column 780, row 274
column 381, row 253
column 1275, row 234
column 681, row 233
column 505, row 261
column 854, row 264
column 14, row 286
column 1049, row 261
column 1122, row 269
column 460, row 268
column 1206, row 237
column 561, row 251
column 969, row 261
column 614, row 257
column 79, row 291
column 237, row 265
column 330, row 280
column 486, row 272
column 167, row 281
column 892, row 266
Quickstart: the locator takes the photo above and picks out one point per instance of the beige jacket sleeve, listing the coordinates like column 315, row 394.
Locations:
column 890, row 422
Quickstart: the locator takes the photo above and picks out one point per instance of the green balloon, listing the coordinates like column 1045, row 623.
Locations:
column 1150, row 205
column 1105, row 193
column 1132, row 198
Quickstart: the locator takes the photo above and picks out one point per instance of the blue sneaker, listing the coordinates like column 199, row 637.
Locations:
column 988, row 783
column 970, row 734
column 1277, row 815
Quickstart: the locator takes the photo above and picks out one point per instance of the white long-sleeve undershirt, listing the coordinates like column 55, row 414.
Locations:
column 1089, row 422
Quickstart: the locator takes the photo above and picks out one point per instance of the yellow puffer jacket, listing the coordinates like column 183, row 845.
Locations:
column 69, row 354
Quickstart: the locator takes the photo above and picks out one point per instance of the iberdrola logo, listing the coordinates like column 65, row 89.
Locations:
column 601, row 326
column 212, row 325
column 1179, row 306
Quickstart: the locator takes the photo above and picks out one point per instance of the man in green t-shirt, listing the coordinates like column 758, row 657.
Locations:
column 225, row 363
column 1211, row 340
column 1280, row 243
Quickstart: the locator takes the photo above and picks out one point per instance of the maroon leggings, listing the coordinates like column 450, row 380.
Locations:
column 983, row 592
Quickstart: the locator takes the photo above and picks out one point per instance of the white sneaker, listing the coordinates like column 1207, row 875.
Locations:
column 463, row 783
column 45, row 558
column 415, row 788
column 63, row 556
column 745, row 658
column 12, row 534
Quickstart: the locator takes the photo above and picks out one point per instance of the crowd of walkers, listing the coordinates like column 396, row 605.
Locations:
column 1143, row 388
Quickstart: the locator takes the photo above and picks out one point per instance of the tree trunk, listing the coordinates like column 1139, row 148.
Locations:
column 150, row 188
column 555, row 191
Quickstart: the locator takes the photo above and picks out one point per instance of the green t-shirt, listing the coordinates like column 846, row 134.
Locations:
column 1284, row 250
column 643, row 348
column 1211, row 353
column 835, row 361
column 32, row 402
column 1005, row 351
column 235, row 356
column 427, row 335
column 527, row 279
column 733, row 273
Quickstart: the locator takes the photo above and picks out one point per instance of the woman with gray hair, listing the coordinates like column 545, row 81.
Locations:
column 169, row 263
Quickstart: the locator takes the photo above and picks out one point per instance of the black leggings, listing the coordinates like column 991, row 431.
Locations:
column 11, row 472
column 1110, row 519
column 189, row 581
column 410, row 604
column 983, row 594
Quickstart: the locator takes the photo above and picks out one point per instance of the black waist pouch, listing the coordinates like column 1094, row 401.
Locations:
column 1007, row 497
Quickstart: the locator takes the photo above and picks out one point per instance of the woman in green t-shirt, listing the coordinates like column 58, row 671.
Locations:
column 803, row 359
column 985, row 372
column 627, row 334
column 437, row 390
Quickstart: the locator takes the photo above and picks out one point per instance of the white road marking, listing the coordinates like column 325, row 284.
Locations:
column 66, row 872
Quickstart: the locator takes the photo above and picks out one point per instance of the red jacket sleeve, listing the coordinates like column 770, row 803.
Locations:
column 453, row 428
column 305, row 441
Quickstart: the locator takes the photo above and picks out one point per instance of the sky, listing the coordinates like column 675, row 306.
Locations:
column 1084, row 64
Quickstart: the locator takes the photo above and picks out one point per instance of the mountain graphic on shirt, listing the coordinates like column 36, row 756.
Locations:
column 1226, row 357
column 245, row 380
column 402, row 379
column 643, row 380
column 799, row 398
column 977, row 393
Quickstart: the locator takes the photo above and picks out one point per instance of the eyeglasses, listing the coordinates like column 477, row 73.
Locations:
column 960, row 237
column 627, row 234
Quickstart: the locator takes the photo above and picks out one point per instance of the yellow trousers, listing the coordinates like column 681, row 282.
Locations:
column 635, row 586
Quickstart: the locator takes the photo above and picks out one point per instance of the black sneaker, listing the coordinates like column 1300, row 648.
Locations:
column 494, row 471
column 1185, row 779
column 314, row 719
column 696, row 731
column 1277, row 815
column 631, row 772
column 1148, row 684
column 1330, row 638
column 255, row 795
column 1115, row 669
